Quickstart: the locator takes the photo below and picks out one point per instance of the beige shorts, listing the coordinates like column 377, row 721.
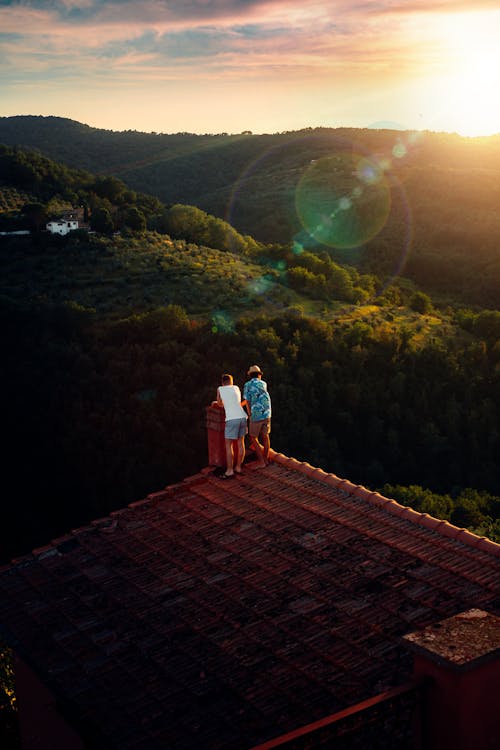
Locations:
column 262, row 427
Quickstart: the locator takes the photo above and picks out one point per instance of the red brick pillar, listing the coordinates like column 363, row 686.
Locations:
column 460, row 657
column 216, row 419
column 215, row 435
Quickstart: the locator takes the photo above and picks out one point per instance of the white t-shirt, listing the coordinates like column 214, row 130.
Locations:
column 231, row 397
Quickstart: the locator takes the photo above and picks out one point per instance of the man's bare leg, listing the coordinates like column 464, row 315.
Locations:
column 229, row 458
column 266, row 444
column 261, row 462
column 241, row 455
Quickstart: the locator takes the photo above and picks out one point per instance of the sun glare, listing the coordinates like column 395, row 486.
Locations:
column 472, row 80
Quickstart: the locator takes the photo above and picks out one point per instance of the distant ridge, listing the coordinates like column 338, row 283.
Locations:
column 98, row 149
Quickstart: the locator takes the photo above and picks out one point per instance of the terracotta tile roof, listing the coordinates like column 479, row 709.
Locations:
column 223, row 614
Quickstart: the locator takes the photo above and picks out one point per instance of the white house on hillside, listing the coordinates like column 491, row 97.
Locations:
column 61, row 226
column 69, row 220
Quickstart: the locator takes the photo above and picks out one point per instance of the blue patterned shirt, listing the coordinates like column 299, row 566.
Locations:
column 255, row 392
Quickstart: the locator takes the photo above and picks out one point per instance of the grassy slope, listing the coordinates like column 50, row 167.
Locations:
column 11, row 199
column 129, row 275
column 134, row 274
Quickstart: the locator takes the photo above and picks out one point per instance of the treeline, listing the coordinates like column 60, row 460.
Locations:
column 95, row 149
column 145, row 155
column 191, row 224
column 476, row 510
column 93, row 413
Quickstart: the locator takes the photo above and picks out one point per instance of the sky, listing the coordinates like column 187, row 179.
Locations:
column 213, row 66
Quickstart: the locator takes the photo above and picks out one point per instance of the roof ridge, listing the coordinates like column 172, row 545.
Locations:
column 445, row 528
column 411, row 541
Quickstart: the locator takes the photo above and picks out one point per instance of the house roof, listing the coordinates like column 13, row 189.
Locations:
column 221, row 614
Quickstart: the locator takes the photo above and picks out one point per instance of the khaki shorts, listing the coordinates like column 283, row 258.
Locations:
column 262, row 427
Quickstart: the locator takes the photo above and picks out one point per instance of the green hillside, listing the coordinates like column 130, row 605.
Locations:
column 439, row 192
column 135, row 274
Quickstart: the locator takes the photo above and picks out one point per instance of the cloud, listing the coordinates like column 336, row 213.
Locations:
column 141, row 12
column 440, row 6
column 194, row 39
column 188, row 28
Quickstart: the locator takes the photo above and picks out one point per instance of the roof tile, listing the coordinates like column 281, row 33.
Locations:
column 221, row 614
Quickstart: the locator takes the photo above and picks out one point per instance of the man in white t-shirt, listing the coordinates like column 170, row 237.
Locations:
column 229, row 397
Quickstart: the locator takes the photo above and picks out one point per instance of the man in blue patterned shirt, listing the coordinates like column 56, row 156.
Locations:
column 258, row 405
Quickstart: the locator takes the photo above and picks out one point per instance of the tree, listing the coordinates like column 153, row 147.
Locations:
column 110, row 188
column 421, row 303
column 101, row 221
column 487, row 325
column 36, row 215
column 422, row 499
column 135, row 219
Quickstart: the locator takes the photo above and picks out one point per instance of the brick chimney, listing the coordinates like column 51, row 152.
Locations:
column 460, row 657
column 216, row 418
column 216, row 422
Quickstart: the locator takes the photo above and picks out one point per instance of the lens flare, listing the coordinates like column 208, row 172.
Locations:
column 399, row 150
column 342, row 196
column 260, row 285
column 222, row 322
column 343, row 200
column 285, row 161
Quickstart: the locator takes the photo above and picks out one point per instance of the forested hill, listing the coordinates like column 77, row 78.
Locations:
column 96, row 149
column 442, row 190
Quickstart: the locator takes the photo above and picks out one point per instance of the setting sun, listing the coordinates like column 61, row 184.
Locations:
column 473, row 77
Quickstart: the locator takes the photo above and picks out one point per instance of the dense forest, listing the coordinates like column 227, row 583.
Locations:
column 95, row 420
column 373, row 376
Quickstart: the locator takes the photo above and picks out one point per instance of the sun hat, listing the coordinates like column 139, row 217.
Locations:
column 254, row 368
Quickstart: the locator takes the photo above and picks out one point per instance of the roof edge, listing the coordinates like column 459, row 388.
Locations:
column 108, row 523
column 445, row 528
